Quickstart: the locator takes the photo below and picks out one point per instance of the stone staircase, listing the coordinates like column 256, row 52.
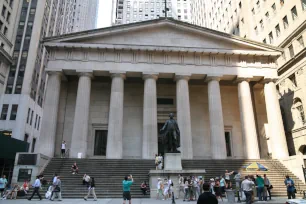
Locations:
column 109, row 174
column 276, row 174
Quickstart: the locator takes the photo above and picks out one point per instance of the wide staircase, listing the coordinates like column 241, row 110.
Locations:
column 109, row 174
column 276, row 173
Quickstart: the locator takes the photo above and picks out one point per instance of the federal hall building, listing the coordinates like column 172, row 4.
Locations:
column 110, row 90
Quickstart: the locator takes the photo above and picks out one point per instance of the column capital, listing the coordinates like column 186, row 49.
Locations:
column 243, row 78
column 182, row 76
column 118, row 74
column 213, row 78
column 149, row 75
column 59, row 73
column 87, row 74
column 266, row 80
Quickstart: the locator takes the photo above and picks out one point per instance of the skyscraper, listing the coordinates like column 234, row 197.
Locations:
column 132, row 11
column 280, row 23
column 86, row 12
column 22, row 103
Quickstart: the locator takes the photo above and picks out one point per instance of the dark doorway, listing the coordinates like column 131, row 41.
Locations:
column 228, row 144
column 100, row 142
column 160, row 139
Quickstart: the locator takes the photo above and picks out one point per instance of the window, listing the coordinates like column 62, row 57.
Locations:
column 282, row 2
column 293, row 80
column 38, row 124
column 271, row 37
column 297, row 104
column 4, row 111
column 294, row 13
column 33, row 145
column 8, row 17
column 32, row 11
column 35, row 124
column 253, row 11
column 228, row 144
column 261, row 24
column 264, row 40
column 5, row 30
column 3, row 11
column 31, row 117
column 285, row 22
column 14, row 112
column 256, row 30
column 1, row 25
column 291, row 51
column 258, row 4
column 301, row 42
column 277, row 30
column 303, row 4
column 267, row 16
column 273, row 7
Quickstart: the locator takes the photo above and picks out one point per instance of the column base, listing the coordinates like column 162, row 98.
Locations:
column 173, row 161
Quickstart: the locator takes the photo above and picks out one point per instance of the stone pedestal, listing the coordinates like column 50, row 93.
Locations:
column 173, row 161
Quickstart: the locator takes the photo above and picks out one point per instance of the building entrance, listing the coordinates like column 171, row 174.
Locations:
column 100, row 142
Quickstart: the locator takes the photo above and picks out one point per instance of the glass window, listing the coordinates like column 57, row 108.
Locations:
column 294, row 13
column 285, row 22
column 31, row 117
column 303, row 4
column 264, row 40
column 28, row 117
column 277, row 30
column 301, row 42
column 14, row 112
column 291, row 51
column 273, row 7
column 271, row 37
column 4, row 112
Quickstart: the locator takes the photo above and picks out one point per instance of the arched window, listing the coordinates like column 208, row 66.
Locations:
column 297, row 104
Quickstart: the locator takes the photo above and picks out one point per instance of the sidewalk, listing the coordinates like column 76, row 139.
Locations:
column 119, row 201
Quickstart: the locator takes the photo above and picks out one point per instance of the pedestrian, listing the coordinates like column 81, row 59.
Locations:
column 156, row 161
column 186, row 189
column 159, row 192
column 57, row 189
column 127, row 182
column 201, row 185
column 217, row 189
column 166, row 189
column 86, row 180
column 207, row 197
column 290, row 187
column 246, row 186
column 260, row 188
column 36, row 186
column 268, row 185
column 74, row 168
column 227, row 177
column 195, row 188
column 143, row 188
column 180, row 185
column 212, row 185
column 222, row 184
column 63, row 149
column 91, row 189
column 3, row 183
column 160, row 162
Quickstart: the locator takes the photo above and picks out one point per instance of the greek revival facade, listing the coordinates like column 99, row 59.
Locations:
column 110, row 89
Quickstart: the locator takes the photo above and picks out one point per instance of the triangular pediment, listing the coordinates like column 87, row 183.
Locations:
column 162, row 33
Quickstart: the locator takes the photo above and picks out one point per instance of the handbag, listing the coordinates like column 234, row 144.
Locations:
column 270, row 187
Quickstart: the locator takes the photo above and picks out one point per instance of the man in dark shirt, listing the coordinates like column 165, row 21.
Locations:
column 207, row 197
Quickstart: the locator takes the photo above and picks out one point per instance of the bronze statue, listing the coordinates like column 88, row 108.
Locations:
column 171, row 133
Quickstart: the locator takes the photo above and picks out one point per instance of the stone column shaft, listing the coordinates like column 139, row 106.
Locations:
column 115, row 119
column 183, row 115
column 46, row 141
column 276, row 126
column 150, row 137
column 248, row 120
column 81, row 117
column 217, row 135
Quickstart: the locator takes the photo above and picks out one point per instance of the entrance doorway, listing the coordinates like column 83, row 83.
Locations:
column 100, row 142
column 228, row 144
column 160, row 139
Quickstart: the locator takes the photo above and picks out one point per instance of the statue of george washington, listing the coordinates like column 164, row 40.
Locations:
column 171, row 133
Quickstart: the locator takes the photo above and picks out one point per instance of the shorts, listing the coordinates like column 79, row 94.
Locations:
column 126, row 195
column 227, row 181
column 63, row 151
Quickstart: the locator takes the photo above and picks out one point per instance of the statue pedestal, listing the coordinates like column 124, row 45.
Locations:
column 173, row 161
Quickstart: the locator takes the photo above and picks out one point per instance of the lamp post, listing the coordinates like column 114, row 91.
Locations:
column 166, row 9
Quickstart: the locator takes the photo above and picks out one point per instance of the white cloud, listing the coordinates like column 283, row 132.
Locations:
column 104, row 13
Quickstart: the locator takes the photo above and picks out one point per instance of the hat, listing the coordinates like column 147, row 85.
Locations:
column 158, row 179
column 212, row 179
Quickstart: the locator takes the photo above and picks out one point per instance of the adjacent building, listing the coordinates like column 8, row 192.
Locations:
column 131, row 11
column 22, row 100
column 280, row 23
column 86, row 12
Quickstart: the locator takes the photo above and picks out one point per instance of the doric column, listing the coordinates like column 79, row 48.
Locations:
column 217, row 136
column 149, row 138
column 115, row 118
column 247, row 119
column 276, row 126
column 81, row 116
column 49, row 121
column 183, row 115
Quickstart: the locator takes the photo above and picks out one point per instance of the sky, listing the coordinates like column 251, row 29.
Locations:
column 104, row 15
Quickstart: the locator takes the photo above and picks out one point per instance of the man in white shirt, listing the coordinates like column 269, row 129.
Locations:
column 36, row 186
column 181, row 186
column 63, row 149
column 159, row 189
column 247, row 187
